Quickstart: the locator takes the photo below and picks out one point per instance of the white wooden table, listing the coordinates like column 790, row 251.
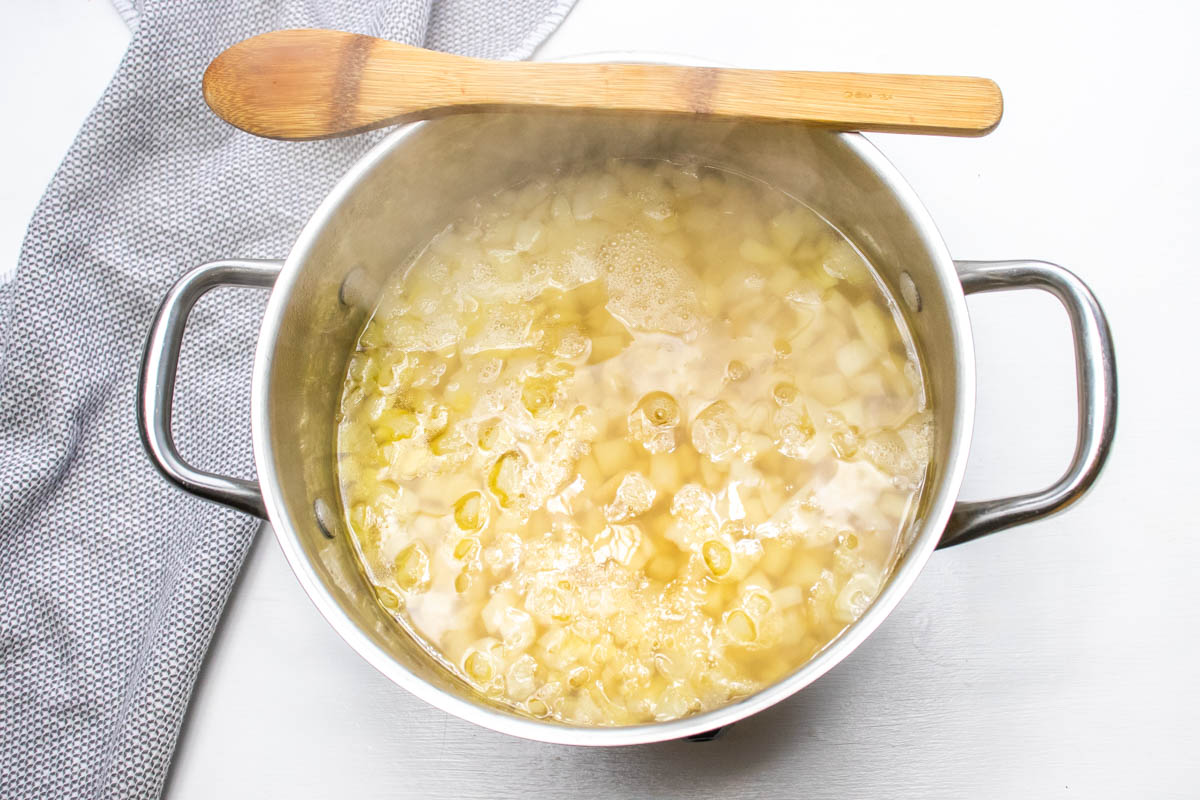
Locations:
column 1059, row 659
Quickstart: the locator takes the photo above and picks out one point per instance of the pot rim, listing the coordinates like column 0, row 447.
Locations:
column 895, row 588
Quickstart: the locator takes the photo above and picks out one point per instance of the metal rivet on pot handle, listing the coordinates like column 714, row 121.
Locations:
column 1096, row 384
column 156, row 390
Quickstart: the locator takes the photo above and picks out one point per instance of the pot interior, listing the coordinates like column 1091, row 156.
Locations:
column 416, row 182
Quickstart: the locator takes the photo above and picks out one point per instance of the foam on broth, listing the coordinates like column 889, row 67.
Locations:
column 629, row 443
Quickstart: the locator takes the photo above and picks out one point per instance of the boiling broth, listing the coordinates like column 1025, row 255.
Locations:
column 628, row 443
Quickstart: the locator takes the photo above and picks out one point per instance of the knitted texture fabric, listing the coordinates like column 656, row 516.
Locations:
column 112, row 581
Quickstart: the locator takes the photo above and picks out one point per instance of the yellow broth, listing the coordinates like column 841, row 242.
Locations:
column 626, row 444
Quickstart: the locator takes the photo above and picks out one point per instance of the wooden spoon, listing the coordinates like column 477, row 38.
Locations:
column 317, row 84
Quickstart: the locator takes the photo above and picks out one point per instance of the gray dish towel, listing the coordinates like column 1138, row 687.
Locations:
column 112, row 581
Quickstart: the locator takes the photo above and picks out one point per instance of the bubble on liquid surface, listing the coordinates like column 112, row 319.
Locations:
column 785, row 393
column 468, row 511
column 648, row 289
column 634, row 496
column 715, row 431
column 411, row 568
column 507, row 326
column 506, row 478
column 653, row 422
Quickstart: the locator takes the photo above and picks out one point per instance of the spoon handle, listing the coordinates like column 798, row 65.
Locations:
column 318, row 84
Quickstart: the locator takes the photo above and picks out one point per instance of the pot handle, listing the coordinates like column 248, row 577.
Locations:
column 1096, row 385
column 156, row 388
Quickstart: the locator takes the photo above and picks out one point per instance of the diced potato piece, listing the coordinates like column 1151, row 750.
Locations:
column 776, row 558
column 854, row 357
column 499, row 233
column 806, row 568
column 620, row 543
column 854, row 597
column 711, row 474
column 895, row 505
column 590, row 471
column 560, row 210
column 856, row 412
column 757, row 604
column 520, row 681
column 666, row 472
column 394, row 424
column 527, row 234
column 584, row 203
column 867, row 385
column 772, row 495
column 753, row 445
column 613, row 456
column 460, row 394
column 756, row 512
column 785, row 597
column 634, row 496
column 606, row 347
column 786, row 229
column 662, row 567
column 843, row 261
column 503, row 617
column 756, row 252
column 845, row 443
column 829, row 389
column 874, row 325
column 887, row 450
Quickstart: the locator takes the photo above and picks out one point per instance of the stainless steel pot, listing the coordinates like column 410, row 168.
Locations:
column 412, row 183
